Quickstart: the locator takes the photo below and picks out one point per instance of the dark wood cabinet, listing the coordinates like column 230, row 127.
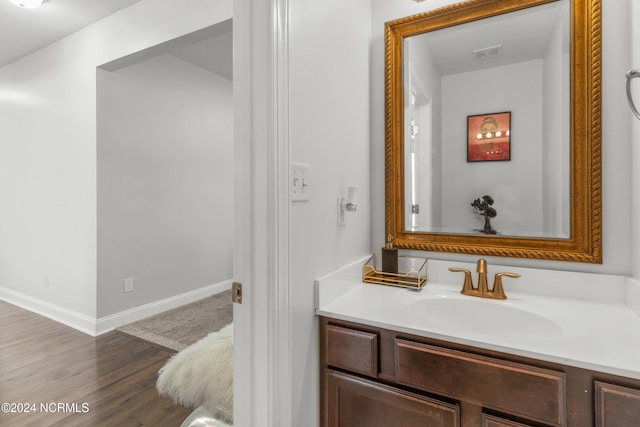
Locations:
column 378, row 377
column 616, row 406
column 357, row 402
column 514, row 388
column 493, row 421
column 352, row 350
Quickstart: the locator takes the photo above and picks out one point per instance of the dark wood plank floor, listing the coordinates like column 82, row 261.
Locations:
column 103, row 381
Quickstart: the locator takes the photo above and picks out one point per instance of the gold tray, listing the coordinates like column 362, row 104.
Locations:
column 412, row 273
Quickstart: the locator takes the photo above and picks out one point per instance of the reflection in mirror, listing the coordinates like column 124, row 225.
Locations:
column 518, row 63
column 495, row 100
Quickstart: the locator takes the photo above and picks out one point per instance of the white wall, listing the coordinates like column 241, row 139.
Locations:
column 515, row 185
column 634, row 63
column 556, row 117
column 48, row 148
column 165, row 187
column 428, row 163
column 616, row 139
column 383, row 11
column 329, row 130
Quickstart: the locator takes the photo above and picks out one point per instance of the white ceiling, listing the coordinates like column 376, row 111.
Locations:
column 523, row 35
column 23, row 31
column 214, row 54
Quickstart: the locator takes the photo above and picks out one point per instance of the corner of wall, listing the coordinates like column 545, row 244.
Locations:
column 633, row 295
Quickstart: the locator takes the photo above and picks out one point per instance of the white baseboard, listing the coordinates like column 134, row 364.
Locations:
column 95, row 327
column 71, row 318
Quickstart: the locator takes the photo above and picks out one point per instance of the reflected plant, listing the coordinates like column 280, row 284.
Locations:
column 484, row 207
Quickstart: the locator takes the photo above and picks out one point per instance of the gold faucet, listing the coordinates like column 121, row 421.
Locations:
column 482, row 291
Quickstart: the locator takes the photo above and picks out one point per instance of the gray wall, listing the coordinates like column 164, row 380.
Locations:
column 165, row 181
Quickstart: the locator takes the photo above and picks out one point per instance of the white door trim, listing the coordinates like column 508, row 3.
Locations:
column 262, row 341
column 282, row 353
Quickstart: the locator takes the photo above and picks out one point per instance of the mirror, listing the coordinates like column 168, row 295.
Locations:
column 493, row 129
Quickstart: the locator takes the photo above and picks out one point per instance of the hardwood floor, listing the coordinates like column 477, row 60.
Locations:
column 66, row 378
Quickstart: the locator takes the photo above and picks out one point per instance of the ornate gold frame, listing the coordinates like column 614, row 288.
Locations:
column 585, row 242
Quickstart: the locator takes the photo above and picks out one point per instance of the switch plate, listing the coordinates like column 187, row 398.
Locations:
column 300, row 187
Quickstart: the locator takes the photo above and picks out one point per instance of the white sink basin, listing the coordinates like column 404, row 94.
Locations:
column 584, row 320
column 490, row 317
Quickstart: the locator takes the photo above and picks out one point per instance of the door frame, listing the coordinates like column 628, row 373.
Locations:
column 262, row 327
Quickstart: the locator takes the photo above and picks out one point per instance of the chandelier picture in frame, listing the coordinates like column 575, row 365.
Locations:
column 489, row 137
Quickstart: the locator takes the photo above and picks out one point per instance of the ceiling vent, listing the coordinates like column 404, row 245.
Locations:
column 487, row 53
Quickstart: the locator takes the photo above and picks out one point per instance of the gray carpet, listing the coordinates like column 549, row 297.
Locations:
column 178, row 328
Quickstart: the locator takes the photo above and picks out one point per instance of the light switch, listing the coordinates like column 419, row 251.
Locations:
column 300, row 187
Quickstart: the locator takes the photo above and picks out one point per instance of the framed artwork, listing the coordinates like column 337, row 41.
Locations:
column 489, row 137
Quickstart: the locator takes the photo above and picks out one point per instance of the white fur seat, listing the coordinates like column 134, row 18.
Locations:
column 201, row 376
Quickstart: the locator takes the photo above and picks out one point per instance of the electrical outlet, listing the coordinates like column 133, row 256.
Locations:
column 128, row 285
column 47, row 280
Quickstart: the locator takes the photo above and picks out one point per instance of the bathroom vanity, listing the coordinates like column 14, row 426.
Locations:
column 390, row 358
column 564, row 348
column 381, row 377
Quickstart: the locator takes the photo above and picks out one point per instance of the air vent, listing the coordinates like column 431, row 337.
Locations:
column 487, row 53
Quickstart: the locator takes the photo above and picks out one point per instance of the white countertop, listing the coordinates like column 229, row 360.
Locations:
column 586, row 333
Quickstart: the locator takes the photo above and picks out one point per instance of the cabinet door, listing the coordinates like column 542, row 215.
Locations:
column 616, row 406
column 356, row 402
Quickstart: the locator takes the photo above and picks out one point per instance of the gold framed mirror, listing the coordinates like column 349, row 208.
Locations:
column 554, row 130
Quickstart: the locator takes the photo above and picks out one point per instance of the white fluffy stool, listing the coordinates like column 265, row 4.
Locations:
column 201, row 376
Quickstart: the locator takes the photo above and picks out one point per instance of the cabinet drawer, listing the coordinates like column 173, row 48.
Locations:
column 493, row 421
column 353, row 350
column 358, row 402
column 616, row 406
column 525, row 391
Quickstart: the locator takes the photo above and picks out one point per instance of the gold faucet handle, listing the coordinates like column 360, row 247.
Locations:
column 468, row 284
column 498, row 290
